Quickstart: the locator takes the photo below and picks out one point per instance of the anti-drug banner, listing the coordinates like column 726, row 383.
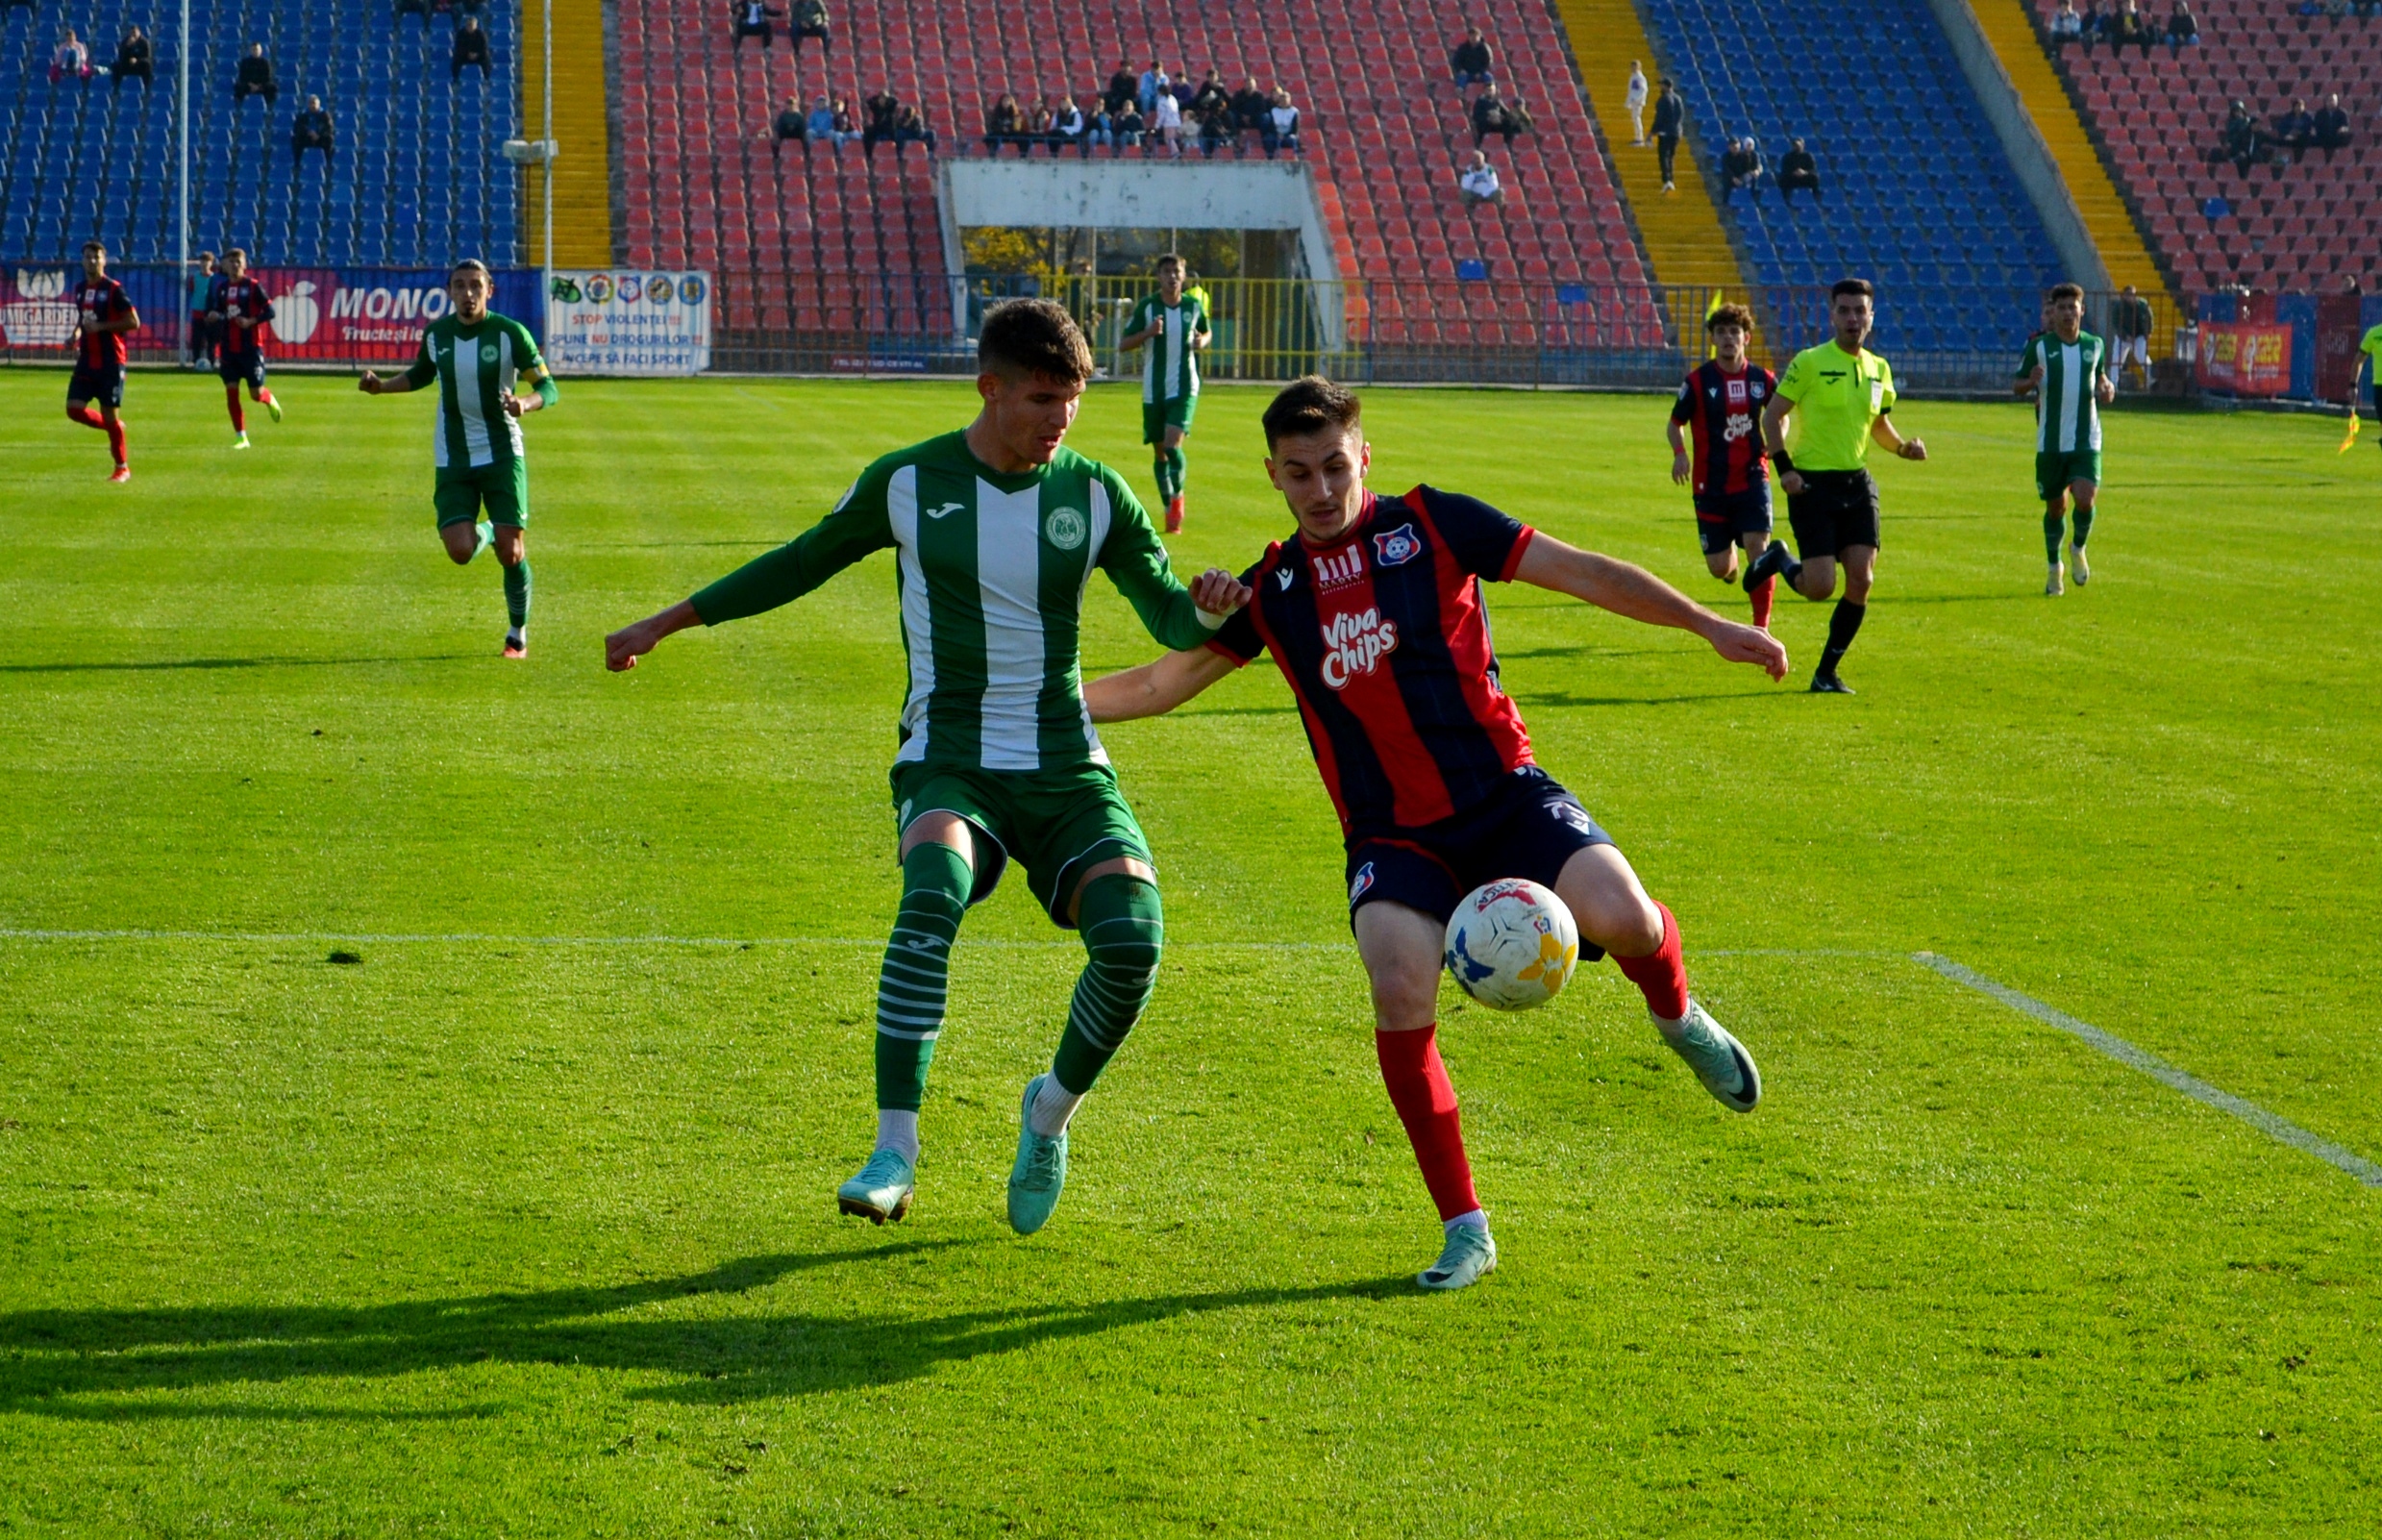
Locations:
column 628, row 322
column 2246, row 358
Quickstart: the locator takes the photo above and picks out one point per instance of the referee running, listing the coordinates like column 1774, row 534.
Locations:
column 1841, row 396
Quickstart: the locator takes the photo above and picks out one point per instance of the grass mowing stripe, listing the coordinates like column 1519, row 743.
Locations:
column 2159, row 1069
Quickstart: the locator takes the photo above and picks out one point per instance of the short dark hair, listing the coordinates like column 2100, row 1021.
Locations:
column 1034, row 337
column 1171, row 260
column 2065, row 291
column 99, row 246
column 1853, row 285
column 230, row 252
column 471, row 264
column 1731, row 313
column 1311, row 405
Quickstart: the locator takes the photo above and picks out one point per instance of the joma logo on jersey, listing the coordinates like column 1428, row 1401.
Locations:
column 1397, row 547
column 1356, row 644
column 1338, row 569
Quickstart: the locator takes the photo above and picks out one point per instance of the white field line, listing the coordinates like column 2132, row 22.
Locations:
column 2160, row 1070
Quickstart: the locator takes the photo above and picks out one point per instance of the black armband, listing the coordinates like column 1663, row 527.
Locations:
column 1781, row 460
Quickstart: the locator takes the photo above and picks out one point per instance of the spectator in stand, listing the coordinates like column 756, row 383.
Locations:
column 2129, row 27
column 2183, row 30
column 1004, row 125
column 751, row 18
column 790, row 123
column 910, row 127
column 2095, row 26
column 847, row 126
column 2130, row 322
column 202, row 333
column 2244, row 143
column 253, row 76
column 1472, row 60
column 2067, row 26
column 471, row 50
column 1215, row 128
column 416, row 8
column 2296, row 129
column 1211, row 95
column 310, row 129
column 1281, row 125
column 1129, row 127
column 1038, row 129
column 1122, row 86
column 1742, row 167
column 133, row 56
column 1166, row 122
column 1477, row 182
column 1670, row 117
column 1634, row 99
column 70, row 59
column 1250, row 105
column 2331, row 127
column 1099, row 128
column 878, row 114
column 820, row 124
column 1067, row 128
column 1798, row 169
column 1491, row 115
column 810, row 21
column 1153, row 83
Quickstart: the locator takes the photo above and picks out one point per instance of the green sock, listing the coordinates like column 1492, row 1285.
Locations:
column 517, row 592
column 2084, row 525
column 916, row 977
column 1124, row 931
column 2051, row 533
column 1180, row 465
column 1164, row 471
column 487, row 533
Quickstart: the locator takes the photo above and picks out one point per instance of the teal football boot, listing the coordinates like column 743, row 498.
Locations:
column 1040, row 1174
column 1471, row 1254
column 1718, row 1060
column 883, row 1189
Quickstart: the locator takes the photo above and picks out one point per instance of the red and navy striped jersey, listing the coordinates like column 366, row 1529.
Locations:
column 245, row 298
column 1723, row 412
column 1385, row 642
column 95, row 303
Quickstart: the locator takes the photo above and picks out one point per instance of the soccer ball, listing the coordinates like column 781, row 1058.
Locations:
column 1512, row 945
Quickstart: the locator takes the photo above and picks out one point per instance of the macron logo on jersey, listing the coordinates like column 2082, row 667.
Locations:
column 1398, row 546
column 1355, row 644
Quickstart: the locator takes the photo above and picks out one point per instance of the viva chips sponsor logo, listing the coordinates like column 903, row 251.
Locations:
column 1355, row 644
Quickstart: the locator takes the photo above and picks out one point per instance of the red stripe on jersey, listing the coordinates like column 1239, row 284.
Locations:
column 103, row 300
column 1464, row 621
column 1372, row 693
column 1317, row 737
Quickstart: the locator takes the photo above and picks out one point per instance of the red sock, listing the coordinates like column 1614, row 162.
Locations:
column 1426, row 1102
column 87, row 415
column 265, row 397
column 232, row 404
column 1763, row 592
column 1661, row 973
column 115, row 439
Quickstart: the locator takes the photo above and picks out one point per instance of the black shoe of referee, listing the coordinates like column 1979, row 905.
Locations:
column 1828, row 684
column 1775, row 560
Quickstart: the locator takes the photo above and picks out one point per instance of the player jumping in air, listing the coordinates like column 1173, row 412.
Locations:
column 104, row 317
column 995, row 529
column 2066, row 369
column 1720, row 402
column 241, row 311
column 1373, row 612
column 477, row 356
column 1173, row 326
column 1841, row 395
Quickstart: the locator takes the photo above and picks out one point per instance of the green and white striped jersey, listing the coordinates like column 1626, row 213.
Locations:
column 1170, row 365
column 475, row 367
column 992, row 576
column 2068, row 407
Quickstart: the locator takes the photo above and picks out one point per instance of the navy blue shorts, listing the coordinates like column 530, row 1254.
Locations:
column 104, row 384
column 1529, row 828
column 1723, row 517
column 233, row 368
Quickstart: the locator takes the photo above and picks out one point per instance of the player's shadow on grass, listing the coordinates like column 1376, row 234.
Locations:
column 176, row 664
column 1534, row 699
column 682, row 1327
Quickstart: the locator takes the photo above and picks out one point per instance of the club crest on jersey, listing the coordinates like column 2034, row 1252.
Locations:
column 487, row 353
column 1397, row 547
column 1338, row 569
column 1066, row 528
column 1355, row 644
column 1362, row 884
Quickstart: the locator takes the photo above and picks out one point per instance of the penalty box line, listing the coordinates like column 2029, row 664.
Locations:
column 2158, row 1069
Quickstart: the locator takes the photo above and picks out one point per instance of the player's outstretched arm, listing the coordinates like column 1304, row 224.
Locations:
column 1155, row 688
column 1638, row 594
column 624, row 647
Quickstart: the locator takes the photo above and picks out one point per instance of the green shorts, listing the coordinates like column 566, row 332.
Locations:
column 1056, row 822
column 1157, row 416
column 503, row 488
column 2058, row 469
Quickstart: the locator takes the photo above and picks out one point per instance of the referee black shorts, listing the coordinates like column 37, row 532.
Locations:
column 1834, row 509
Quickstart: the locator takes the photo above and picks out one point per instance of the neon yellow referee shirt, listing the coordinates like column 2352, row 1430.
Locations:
column 1835, row 397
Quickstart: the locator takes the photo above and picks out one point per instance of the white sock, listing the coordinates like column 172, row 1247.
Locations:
column 1666, row 1025
column 1053, row 1105
column 898, row 1131
column 1478, row 1219
column 518, row 633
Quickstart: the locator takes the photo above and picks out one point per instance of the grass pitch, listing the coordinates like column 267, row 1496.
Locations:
column 529, row 1233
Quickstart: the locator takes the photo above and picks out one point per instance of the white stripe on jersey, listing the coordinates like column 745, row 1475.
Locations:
column 438, row 455
column 1008, row 577
column 917, row 616
column 1175, row 342
column 463, row 369
column 508, row 374
column 2072, row 370
column 1102, row 516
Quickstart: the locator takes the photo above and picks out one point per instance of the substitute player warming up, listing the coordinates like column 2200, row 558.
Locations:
column 478, row 357
column 1720, row 403
column 1373, row 612
column 1841, row 395
column 239, row 313
column 1173, row 326
column 996, row 531
column 104, row 317
column 2066, row 369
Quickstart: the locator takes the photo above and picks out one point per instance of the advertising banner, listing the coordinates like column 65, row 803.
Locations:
column 2338, row 333
column 2246, row 359
column 37, row 307
column 626, row 322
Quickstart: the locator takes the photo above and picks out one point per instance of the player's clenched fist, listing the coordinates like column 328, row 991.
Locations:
column 1219, row 592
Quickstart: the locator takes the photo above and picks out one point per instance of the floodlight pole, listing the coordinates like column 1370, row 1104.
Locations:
column 181, row 136
column 545, row 133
